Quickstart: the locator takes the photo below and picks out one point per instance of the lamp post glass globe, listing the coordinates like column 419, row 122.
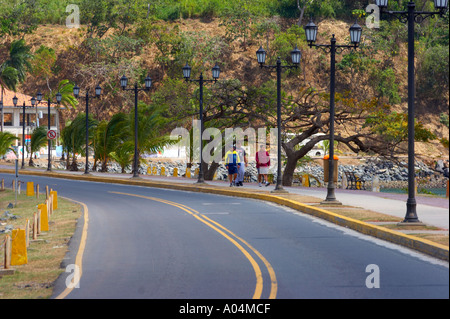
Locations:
column 296, row 55
column 33, row 101
column 98, row 90
column 148, row 82
column 123, row 82
column 311, row 32
column 382, row 3
column 58, row 97
column 215, row 72
column 15, row 100
column 355, row 33
column 76, row 91
column 441, row 4
column 39, row 96
column 187, row 71
column 261, row 56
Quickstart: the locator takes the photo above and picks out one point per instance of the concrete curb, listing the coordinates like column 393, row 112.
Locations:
column 419, row 244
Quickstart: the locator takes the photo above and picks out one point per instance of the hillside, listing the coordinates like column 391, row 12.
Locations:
column 156, row 48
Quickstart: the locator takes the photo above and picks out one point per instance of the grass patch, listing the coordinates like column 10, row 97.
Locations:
column 35, row 280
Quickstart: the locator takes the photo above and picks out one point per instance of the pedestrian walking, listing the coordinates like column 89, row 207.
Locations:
column 263, row 164
column 243, row 164
column 232, row 163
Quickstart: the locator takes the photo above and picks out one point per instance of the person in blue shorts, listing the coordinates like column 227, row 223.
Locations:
column 232, row 163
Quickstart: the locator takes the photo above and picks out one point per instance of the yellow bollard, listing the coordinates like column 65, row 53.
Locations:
column 175, row 172
column 188, row 173
column 163, row 171
column 149, row 170
column 305, row 180
column 155, row 171
column 55, row 199
column 18, row 247
column 44, row 217
column 30, row 189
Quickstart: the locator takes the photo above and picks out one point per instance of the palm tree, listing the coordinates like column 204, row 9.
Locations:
column 150, row 125
column 107, row 137
column 19, row 58
column 9, row 79
column 65, row 88
column 6, row 141
column 73, row 138
column 123, row 154
column 38, row 140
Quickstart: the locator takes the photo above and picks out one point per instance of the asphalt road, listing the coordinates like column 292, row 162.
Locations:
column 153, row 243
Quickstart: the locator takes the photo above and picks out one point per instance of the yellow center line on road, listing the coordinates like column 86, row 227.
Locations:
column 210, row 223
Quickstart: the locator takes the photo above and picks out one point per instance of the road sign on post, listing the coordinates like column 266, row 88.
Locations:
column 51, row 134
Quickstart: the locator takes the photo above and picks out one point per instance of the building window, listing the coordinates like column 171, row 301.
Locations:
column 7, row 119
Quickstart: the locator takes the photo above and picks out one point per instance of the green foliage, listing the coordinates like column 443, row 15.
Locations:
column 123, row 154
column 6, row 141
column 443, row 118
column 393, row 127
column 38, row 140
column 385, row 84
column 18, row 17
column 433, row 72
column 285, row 41
column 19, row 58
column 44, row 62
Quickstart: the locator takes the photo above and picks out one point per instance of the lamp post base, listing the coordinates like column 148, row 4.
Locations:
column 279, row 190
column 332, row 202
column 407, row 223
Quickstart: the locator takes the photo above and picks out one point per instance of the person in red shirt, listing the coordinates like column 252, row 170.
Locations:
column 262, row 164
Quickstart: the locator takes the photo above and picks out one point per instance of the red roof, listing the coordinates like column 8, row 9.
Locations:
column 8, row 99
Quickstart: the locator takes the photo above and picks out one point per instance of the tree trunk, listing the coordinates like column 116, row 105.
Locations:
column 210, row 171
column 74, row 166
column 288, row 174
column 104, row 166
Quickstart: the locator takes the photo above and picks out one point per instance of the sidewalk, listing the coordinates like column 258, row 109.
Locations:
column 432, row 211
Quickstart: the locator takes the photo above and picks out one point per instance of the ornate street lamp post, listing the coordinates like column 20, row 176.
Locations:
column 33, row 103
column 136, row 89
column 76, row 93
column 296, row 57
column 410, row 17
column 187, row 74
column 49, row 101
column 355, row 39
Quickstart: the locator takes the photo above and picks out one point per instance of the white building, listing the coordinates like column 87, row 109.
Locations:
column 11, row 118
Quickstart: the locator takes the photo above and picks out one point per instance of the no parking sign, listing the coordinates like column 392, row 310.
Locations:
column 51, row 134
